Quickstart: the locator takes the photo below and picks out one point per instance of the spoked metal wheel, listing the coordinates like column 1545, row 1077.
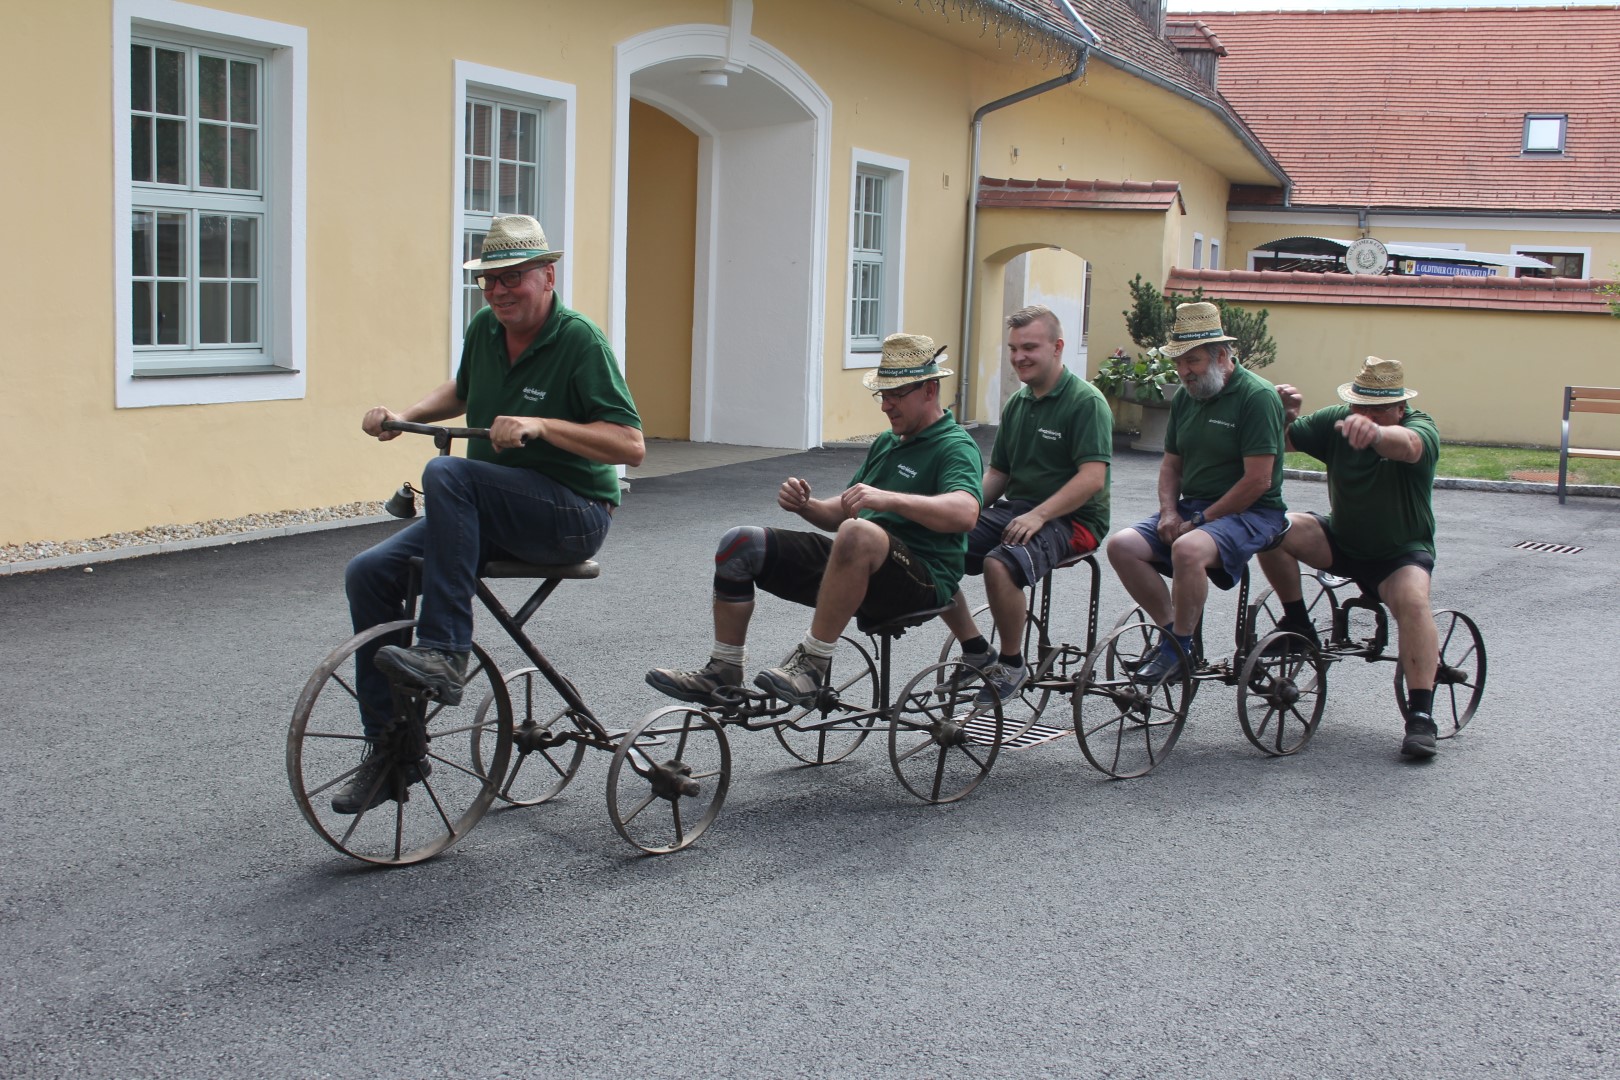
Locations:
column 1321, row 601
column 1459, row 681
column 544, row 760
column 813, row 734
column 669, row 778
column 1126, row 725
column 1024, row 711
column 942, row 742
column 1282, row 690
column 426, row 795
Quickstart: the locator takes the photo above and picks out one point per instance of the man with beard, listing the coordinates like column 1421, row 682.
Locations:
column 1220, row 486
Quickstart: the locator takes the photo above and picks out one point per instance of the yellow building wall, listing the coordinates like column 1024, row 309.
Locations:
column 1485, row 376
column 1605, row 246
column 662, row 241
column 380, row 162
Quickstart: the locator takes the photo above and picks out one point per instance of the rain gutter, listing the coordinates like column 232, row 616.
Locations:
column 1087, row 39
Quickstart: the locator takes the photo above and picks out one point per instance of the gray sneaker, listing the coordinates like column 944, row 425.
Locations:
column 422, row 668
column 373, row 779
column 978, row 661
column 700, row 686
column 1002, row 683
column 797, row 679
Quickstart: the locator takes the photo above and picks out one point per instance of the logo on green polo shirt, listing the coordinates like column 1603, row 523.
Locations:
column 1223, row 423
column 1049, row 435
column 531, row 393
column 906, row 471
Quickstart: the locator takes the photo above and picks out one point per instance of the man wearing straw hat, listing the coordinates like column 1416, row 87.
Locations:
column 1046, row 489
column 1220, row 487
column 899, row 534
column 542, row 489
column 1380, row 455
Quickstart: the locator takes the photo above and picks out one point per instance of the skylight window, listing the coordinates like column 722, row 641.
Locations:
column 1544, row 134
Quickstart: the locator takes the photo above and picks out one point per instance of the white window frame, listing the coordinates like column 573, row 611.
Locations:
column 1558, row 249
column 555, row 101
column 896, row 172
column 276, row 370
column 1197, row 251
column 1562, row 119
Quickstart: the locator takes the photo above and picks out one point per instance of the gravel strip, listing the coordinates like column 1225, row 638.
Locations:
column 49, row 553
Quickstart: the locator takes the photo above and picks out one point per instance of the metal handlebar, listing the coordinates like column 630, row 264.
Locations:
column 441, row 435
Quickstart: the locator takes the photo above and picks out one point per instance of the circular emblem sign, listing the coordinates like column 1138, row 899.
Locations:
column 1366, row 256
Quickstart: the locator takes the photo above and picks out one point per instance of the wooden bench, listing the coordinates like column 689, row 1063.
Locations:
column 1598, row 399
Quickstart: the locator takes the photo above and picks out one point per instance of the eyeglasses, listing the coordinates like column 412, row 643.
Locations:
column 896, row 395
column 510, row 278
column 1380, row 410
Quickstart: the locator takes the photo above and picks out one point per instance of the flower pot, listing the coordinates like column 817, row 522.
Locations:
column 1155, row 419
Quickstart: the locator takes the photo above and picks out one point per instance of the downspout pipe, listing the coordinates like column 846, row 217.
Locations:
column 1088, row 39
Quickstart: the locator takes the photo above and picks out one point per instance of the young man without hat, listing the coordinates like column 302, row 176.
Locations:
column 899, row 534
column 1220, row 487
column 1046, row 491
column 1380, row 455
column 542, row 489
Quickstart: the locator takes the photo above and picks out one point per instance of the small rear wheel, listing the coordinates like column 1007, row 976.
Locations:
column 423, row 795
column 814, row 735
column 543, row 760
column 1282, row 690
column 942, row 741
column 669, row 778
column 1126, row 725
column 1459, row 681
column 1023, row 712
column 1321, row 602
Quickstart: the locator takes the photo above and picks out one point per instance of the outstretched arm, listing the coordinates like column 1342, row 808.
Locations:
column 441, row 403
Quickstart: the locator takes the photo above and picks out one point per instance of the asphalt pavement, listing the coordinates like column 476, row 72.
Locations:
column 164, row 910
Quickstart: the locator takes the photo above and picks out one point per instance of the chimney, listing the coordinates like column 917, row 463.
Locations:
column 1198, row 46
column 1152, row 13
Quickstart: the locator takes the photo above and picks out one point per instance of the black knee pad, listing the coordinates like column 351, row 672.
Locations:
column 737, row 562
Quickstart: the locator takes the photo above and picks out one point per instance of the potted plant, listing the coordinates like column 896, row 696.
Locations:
column 1149, row 380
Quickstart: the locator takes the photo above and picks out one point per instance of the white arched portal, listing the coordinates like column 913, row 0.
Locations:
column 760, row 276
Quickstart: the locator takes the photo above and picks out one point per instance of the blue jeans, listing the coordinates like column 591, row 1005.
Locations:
column 477, row 511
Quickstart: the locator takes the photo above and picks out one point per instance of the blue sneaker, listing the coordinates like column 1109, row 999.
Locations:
column 1164, row 664
column 1001, row 683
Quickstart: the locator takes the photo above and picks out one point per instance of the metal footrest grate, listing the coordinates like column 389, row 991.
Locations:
column 982, row 730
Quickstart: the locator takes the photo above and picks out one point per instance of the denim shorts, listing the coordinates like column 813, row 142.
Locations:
column 1029, row 562
column 1238, row 537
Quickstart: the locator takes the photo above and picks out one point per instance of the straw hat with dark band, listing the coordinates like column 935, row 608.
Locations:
column 513, row 239
column 1196, row 324
column 1380, row 382
column 907, row 358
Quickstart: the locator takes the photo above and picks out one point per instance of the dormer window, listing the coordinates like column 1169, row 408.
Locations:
column 1544, row 133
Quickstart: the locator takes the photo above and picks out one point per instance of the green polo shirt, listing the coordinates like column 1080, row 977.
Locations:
column 1043, row 441
column 942, row 457
column 568, row 373
column 1213, row 437
column 1380, row 508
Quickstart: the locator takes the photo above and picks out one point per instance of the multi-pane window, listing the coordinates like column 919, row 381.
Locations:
column 501, row 175
column 198, row 205
column 867, row 271
column 1569, row 264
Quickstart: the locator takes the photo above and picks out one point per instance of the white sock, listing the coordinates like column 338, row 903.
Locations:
column 729, row 654
column 821, row 650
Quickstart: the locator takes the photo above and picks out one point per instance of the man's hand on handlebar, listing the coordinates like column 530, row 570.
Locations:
column 372, row 423
column 510, row 432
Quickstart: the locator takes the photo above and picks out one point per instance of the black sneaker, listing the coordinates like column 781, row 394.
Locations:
column 701, row 687
column 373, row 779
column 442, row 673
column 1420, row 737
column 1303, row 629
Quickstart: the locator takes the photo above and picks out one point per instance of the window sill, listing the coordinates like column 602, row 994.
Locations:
column 864, row 356
column 160, row 372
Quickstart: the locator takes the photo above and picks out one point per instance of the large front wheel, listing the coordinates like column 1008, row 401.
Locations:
column 1127, row 725
column 1459, row 680
column 669, row 778
column 419, row 793
column 1282, row 690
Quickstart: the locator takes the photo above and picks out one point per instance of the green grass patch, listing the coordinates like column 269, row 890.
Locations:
column 1500, row 463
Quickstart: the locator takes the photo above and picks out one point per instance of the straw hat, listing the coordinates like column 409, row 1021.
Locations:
column 907, row 358
column 513, row 239
column 1380, row 382
column 1196, row 324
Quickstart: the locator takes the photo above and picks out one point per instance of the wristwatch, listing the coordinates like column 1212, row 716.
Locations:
column 1197, row 519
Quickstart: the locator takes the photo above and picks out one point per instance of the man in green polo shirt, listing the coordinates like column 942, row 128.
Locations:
column 542, row 489
column 1047, row 487
column 1380, row 455
column 1220, row 487
column 900, row 531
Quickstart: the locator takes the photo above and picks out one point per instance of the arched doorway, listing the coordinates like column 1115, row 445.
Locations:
column 758, row 223
column 1050, row 276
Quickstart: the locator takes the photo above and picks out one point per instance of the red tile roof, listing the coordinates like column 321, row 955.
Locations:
column 1425, row 108
column 1158, row 195
column 1393, row 290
